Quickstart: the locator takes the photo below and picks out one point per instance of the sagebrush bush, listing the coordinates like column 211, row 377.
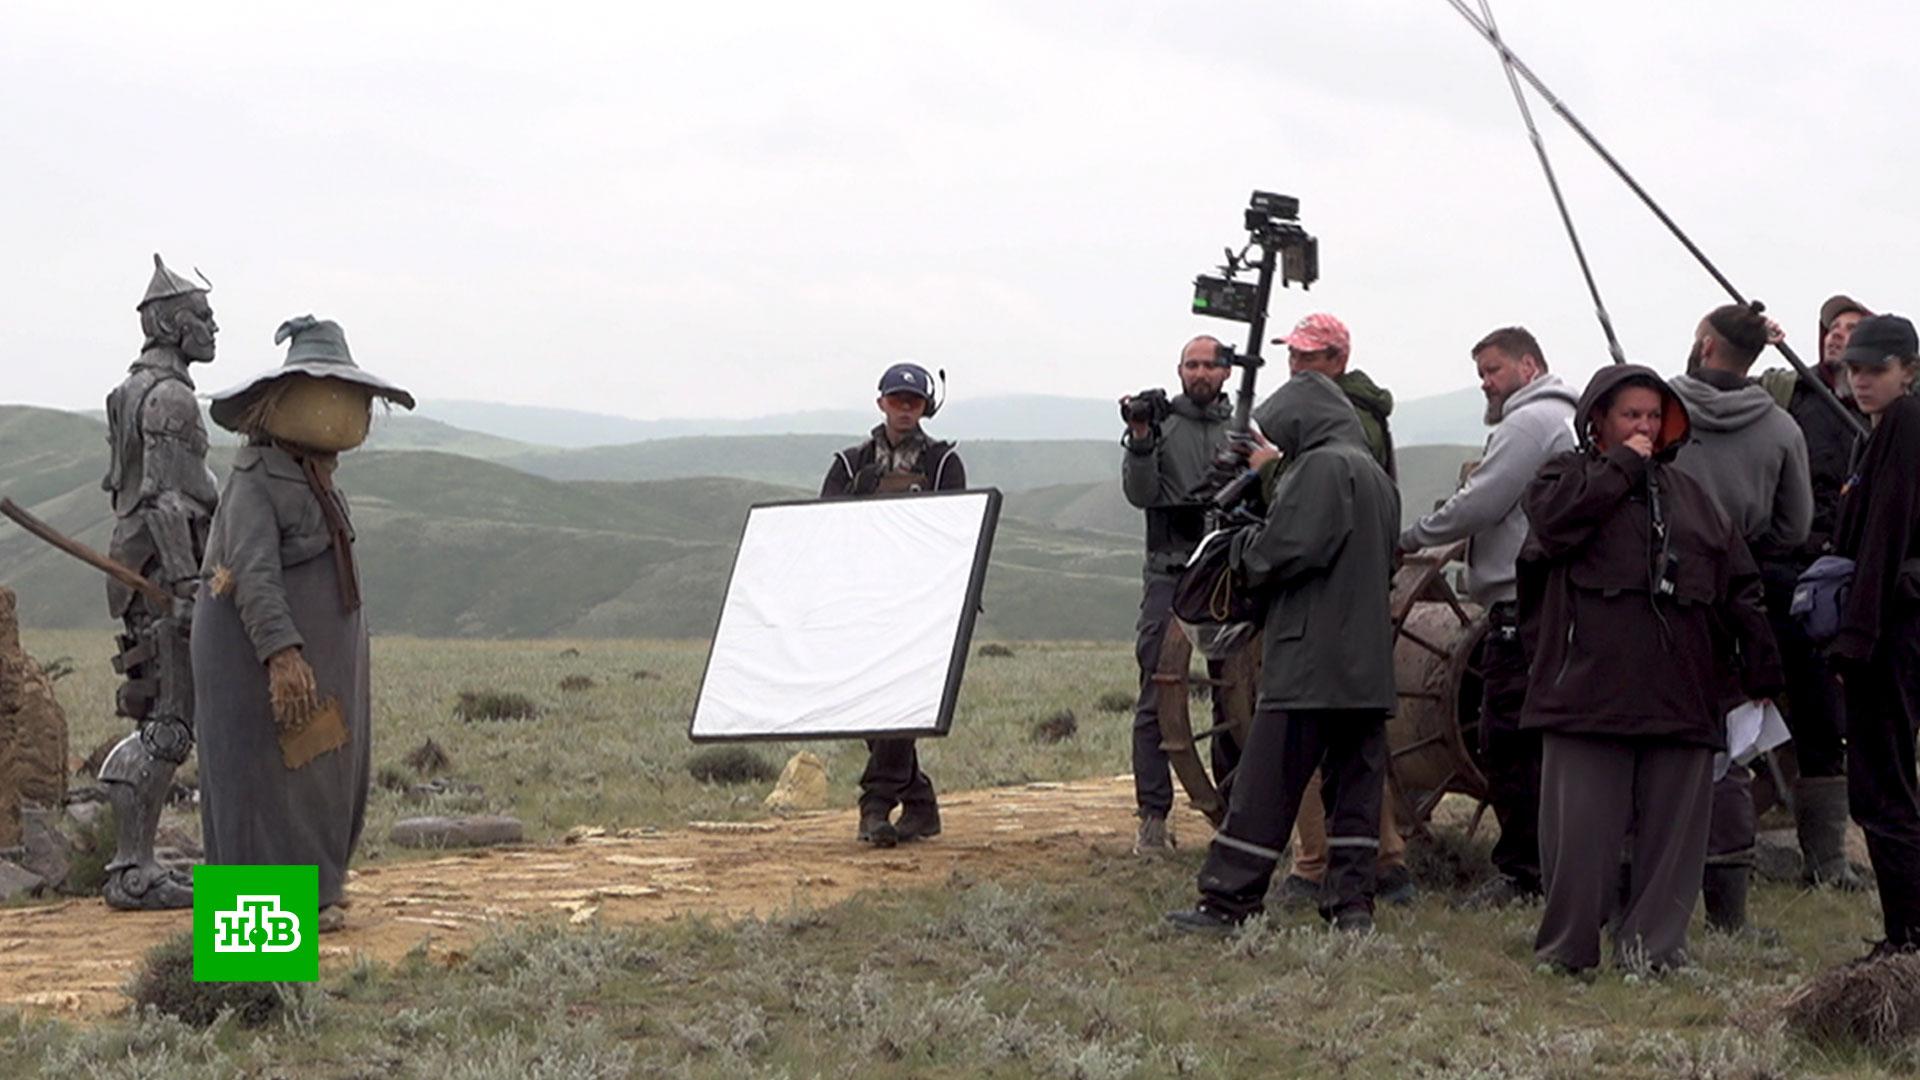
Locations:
column 494, row 705
column 164, row 981
column 731, row 765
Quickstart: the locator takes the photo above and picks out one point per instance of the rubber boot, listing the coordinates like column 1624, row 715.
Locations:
column 1820, row 818
column 1725, row 891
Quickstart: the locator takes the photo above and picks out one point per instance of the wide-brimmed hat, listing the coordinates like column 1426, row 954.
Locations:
column 319, row 348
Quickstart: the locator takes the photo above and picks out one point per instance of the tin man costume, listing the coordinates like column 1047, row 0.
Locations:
column 163, row 496
column 280, row 646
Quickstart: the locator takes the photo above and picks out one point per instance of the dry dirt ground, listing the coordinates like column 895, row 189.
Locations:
column 72, row 958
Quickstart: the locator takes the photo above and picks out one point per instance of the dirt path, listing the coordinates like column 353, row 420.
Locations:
column 73, row 957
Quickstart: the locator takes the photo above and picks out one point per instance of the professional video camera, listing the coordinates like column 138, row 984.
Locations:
column 1285, row 249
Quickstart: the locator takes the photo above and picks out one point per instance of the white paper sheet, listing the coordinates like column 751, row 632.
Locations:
column 846, row 618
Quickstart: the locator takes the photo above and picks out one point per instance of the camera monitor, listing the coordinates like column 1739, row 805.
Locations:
column 847, row 618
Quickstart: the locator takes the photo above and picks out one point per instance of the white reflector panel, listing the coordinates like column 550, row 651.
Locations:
column 848, row 618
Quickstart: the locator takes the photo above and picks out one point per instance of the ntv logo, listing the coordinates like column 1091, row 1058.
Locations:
column 256, row 924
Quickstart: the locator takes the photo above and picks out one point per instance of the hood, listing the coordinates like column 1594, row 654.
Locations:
column 1220, row 408
column 1675, row 426
column 1545, row 388
column 1364, row 391
column 1714, row 409
column 1307, row 412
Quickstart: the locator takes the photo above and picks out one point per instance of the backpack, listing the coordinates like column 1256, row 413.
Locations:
column 1217, row 611
column 1820, row 597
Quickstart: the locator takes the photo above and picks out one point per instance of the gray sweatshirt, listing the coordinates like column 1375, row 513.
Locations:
column 1750, row 456
column 1158, row 477
column 1535, row 424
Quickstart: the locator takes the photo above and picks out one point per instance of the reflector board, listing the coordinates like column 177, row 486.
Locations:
column 848, row 618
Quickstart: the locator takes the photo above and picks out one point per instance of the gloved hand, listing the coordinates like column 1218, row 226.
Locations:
column 291, row 689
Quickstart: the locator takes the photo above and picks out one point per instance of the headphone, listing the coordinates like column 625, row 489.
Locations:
column 933, row 404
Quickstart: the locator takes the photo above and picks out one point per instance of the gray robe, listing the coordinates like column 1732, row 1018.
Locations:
column 270, row 536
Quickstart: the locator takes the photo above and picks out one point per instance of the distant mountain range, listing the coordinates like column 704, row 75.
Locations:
column 464, row 533
column 1444, row 419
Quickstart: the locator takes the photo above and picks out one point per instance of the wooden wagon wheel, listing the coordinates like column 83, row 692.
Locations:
column 1432, row 751
column 1239, row 684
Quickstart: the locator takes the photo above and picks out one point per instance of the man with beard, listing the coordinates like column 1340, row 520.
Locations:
column 1159, row 471
column 1816, row 705
column 898, row 456
column 163, row 497
column 1751, row 458
column 1530, row 412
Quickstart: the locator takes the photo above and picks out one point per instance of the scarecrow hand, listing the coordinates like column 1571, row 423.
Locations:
column 291, row 689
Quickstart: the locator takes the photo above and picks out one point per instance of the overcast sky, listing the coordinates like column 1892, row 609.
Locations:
column 694, row 209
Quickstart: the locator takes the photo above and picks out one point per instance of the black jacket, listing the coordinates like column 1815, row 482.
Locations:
column 861, row 470
column 1629, row 633
column 1878, row 531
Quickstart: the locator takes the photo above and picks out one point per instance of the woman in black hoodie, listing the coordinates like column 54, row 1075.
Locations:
column 1634, row 591
column 1878, row 647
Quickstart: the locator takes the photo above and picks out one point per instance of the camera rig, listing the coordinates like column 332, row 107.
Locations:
column 1286, row 250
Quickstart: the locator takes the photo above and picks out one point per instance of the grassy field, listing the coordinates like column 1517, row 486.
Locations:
column 1070, row 974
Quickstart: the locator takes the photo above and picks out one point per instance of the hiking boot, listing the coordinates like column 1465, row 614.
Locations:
column 1820, row 820
column 1204, row 918
column 1299, row 894
column 1496, row 893
column 1155, row 836
column 1394, row 885
column 1883, row 949
column 876, row 829
column 1353, row 920
column 918, row 821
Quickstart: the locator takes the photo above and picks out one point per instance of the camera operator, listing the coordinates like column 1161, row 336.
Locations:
column 1170, row 445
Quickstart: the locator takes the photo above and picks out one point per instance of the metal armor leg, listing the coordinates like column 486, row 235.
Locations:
column 137, row 782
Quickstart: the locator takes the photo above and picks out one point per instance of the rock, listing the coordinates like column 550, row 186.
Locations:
column 49, row 852
column 180, row 838
column 33, row 730
column 17, row 881
column 802, row 785
column 1776, row 856
column 86, row 815
column 479, row 830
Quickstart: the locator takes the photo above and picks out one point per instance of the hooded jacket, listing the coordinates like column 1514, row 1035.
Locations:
column 1830, row 439
column 1324, row 557
column 1880, row 532
column 1373, row 403
column 1535, row 424
column 1639, row 602
column 1751, row 457
column 1159, row 477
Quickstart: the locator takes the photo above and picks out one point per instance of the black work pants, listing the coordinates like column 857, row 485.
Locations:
column 1510, row 755
column 1349, row 747
column 1816, row 709
column 1152, row 776
column 1883, row 714
column 893, row 777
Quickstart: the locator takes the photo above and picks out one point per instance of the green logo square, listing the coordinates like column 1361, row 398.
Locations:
column 256, row 924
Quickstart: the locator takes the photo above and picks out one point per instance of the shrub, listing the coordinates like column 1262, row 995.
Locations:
column 575, row 683
column 993, row 648
column 165, row 982
column 1114, row 701
column 730, row 765
column 494, row 705
column 428, row 758
column 1059, row 727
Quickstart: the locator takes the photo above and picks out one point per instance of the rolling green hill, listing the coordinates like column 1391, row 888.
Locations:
column 454, row 546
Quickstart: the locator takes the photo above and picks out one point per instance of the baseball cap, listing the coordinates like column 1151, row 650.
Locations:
column 1880, row 340
column 1317, row 332
column 907, row 379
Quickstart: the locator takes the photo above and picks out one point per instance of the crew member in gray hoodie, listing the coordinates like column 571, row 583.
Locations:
column 1752, row 458
column 1162, row 466
column 1532, row 416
